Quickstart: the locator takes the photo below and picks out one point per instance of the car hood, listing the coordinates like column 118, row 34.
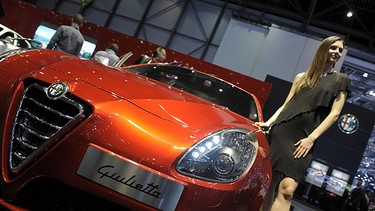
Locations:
column 160, row 99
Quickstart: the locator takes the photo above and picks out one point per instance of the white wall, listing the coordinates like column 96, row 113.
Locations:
column 240, row 47
column 257, row 51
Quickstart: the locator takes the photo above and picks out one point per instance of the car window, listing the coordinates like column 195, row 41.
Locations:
column 21, row 43
column 7, row 34
column 202, row 85
column 8, row 37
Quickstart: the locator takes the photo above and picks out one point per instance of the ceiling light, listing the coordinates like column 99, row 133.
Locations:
column 349, row 14
column 371, row 92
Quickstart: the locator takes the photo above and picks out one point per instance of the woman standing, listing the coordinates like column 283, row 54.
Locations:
column 313, row 104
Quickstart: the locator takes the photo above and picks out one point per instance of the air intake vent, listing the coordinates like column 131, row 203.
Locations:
column 39, row 119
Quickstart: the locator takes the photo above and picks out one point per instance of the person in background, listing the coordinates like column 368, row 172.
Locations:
column 158, row 55
column 365, row 204
column 356, row 196
column 313, row 104
column 109, row 56
column 358, row 199
column 68, row 39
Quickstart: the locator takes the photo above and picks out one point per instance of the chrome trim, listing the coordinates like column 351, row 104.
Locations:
column 130, row 180
column 57, row 90
column 38, row 120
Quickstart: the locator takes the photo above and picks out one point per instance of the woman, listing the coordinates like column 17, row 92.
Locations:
column 313, row 104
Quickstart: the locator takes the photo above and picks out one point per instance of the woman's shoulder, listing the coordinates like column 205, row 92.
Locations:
column 343, row 82
column 341, row 75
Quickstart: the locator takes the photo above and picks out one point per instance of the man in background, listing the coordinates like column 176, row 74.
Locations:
column 365, row 204
column 68, row 39
column 109, row 56
column 356, row 196
column 158, row 55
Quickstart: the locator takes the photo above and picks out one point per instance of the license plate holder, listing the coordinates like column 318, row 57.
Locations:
column 130, row 180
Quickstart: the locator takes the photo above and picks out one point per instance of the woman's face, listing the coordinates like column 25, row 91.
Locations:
column 335, row 51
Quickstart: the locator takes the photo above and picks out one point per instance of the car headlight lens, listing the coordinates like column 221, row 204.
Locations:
column 224, row 156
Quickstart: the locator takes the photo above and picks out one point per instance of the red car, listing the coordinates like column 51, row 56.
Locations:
column 77, row 135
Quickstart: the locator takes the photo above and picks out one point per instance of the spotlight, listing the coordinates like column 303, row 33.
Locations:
column 349, row 14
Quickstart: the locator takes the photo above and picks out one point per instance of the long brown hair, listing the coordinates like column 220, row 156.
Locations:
column 316, row 68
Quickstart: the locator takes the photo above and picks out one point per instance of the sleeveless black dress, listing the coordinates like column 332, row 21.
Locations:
column 303, row 113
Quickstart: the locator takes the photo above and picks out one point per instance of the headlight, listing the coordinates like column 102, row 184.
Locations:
column 224, row 156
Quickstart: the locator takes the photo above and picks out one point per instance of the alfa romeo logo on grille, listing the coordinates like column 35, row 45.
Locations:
column 348, row 123
column 56, row 90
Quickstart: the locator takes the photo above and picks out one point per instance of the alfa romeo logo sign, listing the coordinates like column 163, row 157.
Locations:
column 348, row 123
column 57, row 90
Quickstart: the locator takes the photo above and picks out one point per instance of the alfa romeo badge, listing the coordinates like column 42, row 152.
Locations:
column 348, row 123
column 57, row 90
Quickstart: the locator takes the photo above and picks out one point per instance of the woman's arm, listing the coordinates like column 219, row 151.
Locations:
column 332, row 117
column 304, row 145
column 273, row 118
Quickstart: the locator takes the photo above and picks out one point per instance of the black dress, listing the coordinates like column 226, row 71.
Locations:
column 304, row 112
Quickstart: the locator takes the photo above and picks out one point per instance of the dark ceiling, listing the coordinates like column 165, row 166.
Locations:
column 359, row 30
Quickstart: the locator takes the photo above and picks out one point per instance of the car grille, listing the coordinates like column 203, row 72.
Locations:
column 39, row 120
column 48, row 194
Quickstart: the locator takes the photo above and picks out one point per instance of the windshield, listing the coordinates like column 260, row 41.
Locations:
column 204, row 86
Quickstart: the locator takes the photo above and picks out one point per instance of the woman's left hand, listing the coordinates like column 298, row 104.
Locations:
column 303, row 147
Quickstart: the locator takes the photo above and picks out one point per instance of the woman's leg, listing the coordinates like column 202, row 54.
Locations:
column 268, row 199
column 284, row 196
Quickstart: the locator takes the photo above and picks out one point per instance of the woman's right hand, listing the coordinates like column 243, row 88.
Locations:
column 261, row 124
